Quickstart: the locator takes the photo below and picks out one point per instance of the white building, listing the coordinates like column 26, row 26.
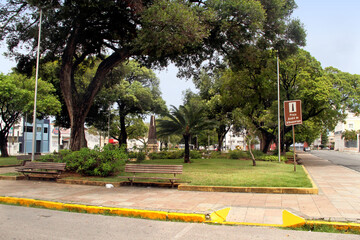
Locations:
column 352, row 122
column 236, row 140
column 47, row 138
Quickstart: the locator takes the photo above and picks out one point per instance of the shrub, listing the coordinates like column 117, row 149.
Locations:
column 258, row 153
column 218, row 155
column 167, row 155
column 97, row 162
column 237, row 154
column 157, row 155
column 140, row 156
column 175, row 154
column 270, row 158
column 132, row 154
column 195, row 155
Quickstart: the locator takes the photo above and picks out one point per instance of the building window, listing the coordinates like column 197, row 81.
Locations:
column 351, row 126
column 45, row 130
column 28, row 129
column 38, row 129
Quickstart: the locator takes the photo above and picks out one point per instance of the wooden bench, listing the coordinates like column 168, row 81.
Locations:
column 151, row 168
column 45, row 169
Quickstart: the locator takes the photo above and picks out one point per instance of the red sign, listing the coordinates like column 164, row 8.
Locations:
column 292, row 112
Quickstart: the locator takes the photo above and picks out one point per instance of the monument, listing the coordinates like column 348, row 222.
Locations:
column 152, row 145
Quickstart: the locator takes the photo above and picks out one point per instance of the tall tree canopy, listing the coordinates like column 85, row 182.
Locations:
column 17, row 98
column 134, row 92
column 325, row 94
column 112, row 30
column 187, row 32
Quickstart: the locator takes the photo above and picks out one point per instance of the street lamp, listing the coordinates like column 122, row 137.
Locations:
column 35, row 97
column 278, row 88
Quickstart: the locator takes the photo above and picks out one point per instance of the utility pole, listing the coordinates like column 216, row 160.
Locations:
column 278, row 89
column 36, row 83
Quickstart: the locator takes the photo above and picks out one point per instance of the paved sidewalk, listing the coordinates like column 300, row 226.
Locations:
column 338, row 198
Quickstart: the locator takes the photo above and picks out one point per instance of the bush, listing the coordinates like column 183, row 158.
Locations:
column 219, row 155
column 237, row 154
column 258, row 153
column 270, row 158
column 140, row 156
column 132, row 154
column 167, row 155
column 97, row 162
column 195, row 155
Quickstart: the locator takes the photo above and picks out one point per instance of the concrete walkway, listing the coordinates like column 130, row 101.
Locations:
column 338, row 198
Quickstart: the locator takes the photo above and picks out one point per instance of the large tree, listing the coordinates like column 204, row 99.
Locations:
column 17, row 98
column 188, row 32
column 136, row 93
column 114, row 31
column 325, row 94
column 209, row 86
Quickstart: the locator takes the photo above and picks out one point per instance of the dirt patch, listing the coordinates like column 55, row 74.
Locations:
column 70, row 174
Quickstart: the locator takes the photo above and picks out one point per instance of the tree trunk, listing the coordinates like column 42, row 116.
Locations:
column 3, row 146
column 123, row 133
column 187, row 148
column 252, row 155
column 77, row 137
column 221, row 132
column 266, row 139
column 78, row 105
column 220, row 141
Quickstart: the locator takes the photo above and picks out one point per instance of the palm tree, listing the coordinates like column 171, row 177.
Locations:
column 186, row 121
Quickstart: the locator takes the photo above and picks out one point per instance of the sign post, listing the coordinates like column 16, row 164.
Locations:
column 293, row 116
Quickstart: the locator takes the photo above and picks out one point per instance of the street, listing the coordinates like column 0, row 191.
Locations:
column 33, row 223
column 347, row 159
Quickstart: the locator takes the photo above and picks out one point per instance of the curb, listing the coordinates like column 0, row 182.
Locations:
column 249, row 189
column 280, row 190
column 20, row 177
column 186, row 187
column 315, row 187
column 147, row 214
column 13, row 165
column 290, row 220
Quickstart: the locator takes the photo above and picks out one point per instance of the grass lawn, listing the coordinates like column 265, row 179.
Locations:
column 9, row 161
column 241, row 173
column 228, row 172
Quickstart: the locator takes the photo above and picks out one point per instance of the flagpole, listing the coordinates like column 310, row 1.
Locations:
column 35, row 96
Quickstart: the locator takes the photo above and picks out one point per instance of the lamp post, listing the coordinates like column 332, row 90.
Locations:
column 278, row 89
column 36, row 83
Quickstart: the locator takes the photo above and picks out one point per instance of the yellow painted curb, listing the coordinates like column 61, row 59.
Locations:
column 315, row 188
column 158, row 215
column 280, row 190
column 219, row 216
column 186, row 217
column 337, row 225
column 291, row 220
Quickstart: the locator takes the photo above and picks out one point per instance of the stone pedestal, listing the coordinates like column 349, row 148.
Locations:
column 152, row 148
column 152, row 145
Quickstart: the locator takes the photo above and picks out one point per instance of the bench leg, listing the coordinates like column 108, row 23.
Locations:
column 131, row 181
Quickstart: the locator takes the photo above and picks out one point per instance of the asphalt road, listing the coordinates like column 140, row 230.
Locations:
column 33, row 223
column 346, row 159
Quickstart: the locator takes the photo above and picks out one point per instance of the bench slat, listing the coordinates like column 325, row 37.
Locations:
column 136, row 177
column 44, row 168
column 151, row 168
column 43, row 165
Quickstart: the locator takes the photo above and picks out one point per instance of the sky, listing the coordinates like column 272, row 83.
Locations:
column 333, row 38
